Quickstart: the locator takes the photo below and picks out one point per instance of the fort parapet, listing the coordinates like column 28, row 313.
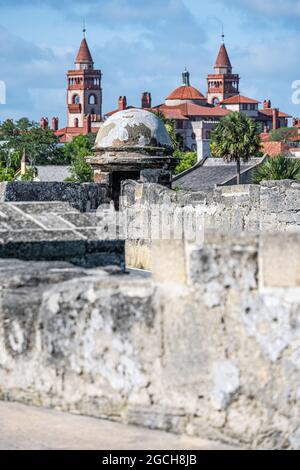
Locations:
column 207, row 346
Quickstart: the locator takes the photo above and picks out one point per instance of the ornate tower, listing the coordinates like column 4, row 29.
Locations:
column 84, row 95
column 223, row 83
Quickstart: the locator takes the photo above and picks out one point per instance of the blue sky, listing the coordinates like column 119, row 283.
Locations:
column 144, row 45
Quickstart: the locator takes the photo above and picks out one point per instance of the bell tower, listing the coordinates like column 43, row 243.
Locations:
column 84, row 94
column 223, row 83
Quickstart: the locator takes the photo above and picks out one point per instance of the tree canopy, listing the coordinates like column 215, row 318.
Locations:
column 283, row 134
column 41, row 145
column 187, row 160
column 277, row 168
column 236, row 138
column 80, row 147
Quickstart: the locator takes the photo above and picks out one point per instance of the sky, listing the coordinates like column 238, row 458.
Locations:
column 144, row 45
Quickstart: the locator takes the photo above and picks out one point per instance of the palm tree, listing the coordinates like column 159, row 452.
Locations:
column 236, row 138
column 277, row 168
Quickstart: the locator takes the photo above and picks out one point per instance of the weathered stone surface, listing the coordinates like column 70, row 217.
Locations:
column 269, row 207
column 84, row 197
column 213, row 351
column 278, row 267
column 133, row 128
column 217, row 357
column 169, row 262
column 55, row 231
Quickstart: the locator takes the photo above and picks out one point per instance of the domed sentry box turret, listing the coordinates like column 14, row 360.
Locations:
column 132, row 144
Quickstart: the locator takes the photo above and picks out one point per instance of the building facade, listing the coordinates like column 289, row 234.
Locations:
column 84, row 93
column 222, row 84
column 195, row 114
column 84, row 98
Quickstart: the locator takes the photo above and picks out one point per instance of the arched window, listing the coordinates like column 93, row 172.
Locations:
column 76, row 99
column 76, row 122
column 216, row 101
column 92, row 100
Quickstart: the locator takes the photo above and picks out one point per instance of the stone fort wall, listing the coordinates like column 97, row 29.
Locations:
column 83, row 197
column 209, row 347
column 272, row 207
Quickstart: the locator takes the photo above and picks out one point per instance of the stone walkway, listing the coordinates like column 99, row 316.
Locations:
column 28, row 428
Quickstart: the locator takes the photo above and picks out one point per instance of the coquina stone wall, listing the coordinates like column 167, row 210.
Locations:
column 83, row 197
column 272, row 207
column 210, row 346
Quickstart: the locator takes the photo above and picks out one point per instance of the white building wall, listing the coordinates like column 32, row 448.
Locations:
column 79, row 116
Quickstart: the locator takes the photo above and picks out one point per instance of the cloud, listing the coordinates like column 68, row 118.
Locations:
column 272, row 8
column 26, row 67
column 144, row 45
column 136, row 51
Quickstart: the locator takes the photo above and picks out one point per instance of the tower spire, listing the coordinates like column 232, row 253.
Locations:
column 223, row 34
column 84, row 28
column 84, row 58
column 186, row 77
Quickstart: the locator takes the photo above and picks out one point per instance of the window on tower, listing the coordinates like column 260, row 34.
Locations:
column 216, row 101
column 76, row 99
column 92, row 100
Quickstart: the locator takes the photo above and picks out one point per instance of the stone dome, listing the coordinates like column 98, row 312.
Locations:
column 133, row 129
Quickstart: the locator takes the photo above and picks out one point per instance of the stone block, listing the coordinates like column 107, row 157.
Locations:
column 54, row 231
column 279, row 260
column 84, row 197
column 169, row 261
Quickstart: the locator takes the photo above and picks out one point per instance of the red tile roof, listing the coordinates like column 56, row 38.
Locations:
column 186, row 110
column 185, row 92
column 269, row 113
column 296, row 138
column 223, row 58
column 66, row 134
column 171, row 112
column 265, row 136
column 84, row 54
column 239, row 99
column 190, row 109
column 114, row 111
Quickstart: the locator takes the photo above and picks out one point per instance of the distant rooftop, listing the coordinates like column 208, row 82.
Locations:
column 53, row 173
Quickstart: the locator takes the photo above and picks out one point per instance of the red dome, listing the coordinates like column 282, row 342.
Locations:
column 185, row 92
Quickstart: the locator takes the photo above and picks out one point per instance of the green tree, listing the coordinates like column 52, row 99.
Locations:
column 80, row 147
column 6, row 174
column 277, row 168
column 29, row 175
column 283, row 134
column 41, row 145
column 236, row 138
column 7, row 129
column 187, row 160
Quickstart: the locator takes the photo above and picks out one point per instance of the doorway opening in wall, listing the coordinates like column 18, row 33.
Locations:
column 117, row 178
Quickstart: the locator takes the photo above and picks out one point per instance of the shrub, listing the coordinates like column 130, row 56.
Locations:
column 278, row 168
